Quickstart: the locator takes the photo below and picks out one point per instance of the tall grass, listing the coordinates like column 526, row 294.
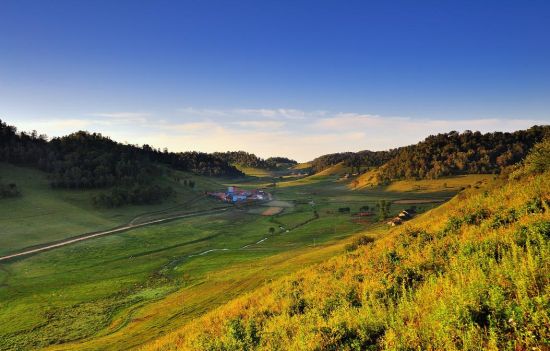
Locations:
column 472, row 274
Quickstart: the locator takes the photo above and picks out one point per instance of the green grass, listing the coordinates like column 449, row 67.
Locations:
column 122, row 290
column 254, row 172
column 264, row 173
column 472, row 274
column 86, row 284
column 44, row 214
column 338, row 169
column 444, row 184
column 304, row 165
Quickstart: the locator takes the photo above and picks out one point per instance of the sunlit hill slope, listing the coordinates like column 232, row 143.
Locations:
column 471, row 274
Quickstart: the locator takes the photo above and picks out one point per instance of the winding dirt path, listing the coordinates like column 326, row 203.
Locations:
column 129, row 226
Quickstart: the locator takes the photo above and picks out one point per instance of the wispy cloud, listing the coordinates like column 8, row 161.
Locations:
column 254, row 113
column 203, row 112
column 121, row 117
column 191, row 127
column 279, row 113
column 269, row 131
column 260, row 124
column 392, row 124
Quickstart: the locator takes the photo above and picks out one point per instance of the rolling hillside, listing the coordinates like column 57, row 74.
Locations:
column 126, row 289
column 184, row 175
column 338, row 169
column 253, row 165
column 471, row 274
column 43, row 214
column 437, row 156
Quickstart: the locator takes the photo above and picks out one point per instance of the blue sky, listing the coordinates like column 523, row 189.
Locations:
column 293, row 78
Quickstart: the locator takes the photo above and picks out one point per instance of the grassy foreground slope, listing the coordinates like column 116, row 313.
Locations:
column 126, row 289
column 122, row 291
column 471, row 274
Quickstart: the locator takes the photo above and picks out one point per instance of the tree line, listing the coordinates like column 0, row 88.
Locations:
column 91, row 160
column 358, row 161
column 84, row 160
column 246, row 159
column 461, row 153
column 441, row 155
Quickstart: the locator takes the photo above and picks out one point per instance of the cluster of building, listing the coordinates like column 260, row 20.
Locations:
column 234, row 194
column 401, row 217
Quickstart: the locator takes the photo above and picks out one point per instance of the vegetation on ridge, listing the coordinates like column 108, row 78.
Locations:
column 461, row 153
column 91, row 160
column 474, row 274
column 358, row 161
column 245, row 159
column 85, row 160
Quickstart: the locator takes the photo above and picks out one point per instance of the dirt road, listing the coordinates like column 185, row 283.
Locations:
column 130, row 226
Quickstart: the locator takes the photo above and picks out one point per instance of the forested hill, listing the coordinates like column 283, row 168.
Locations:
column 243, row 158
column 90, row 160
column 461, row 153
column 441, row 155
column 358, row 160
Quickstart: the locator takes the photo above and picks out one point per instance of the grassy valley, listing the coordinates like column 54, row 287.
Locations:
column 193, row 272
column 274, row 175
column 126, row 289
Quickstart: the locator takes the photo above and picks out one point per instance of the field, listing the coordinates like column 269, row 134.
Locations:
column 254, row 172
column 264, row 173
column 338, row 169
column 43, row 215
column 453, row 183
column 305, row 165
column 122, row 290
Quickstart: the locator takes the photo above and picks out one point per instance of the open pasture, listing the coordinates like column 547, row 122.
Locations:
column 42, row 214
column 122, row 290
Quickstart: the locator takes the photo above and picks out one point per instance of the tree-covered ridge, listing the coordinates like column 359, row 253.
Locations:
column 473, row 274
column 357, row 160
column 461, row 153
column 441, row 155
column 246, row 159
column 91, row 160
column 276, row 160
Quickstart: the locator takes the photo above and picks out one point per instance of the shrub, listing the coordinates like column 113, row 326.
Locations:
column 359, row 241
column 9, row 190
column 344, row 210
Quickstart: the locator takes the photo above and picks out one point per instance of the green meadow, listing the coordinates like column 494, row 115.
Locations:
column 125, row 289
column 43, row 214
